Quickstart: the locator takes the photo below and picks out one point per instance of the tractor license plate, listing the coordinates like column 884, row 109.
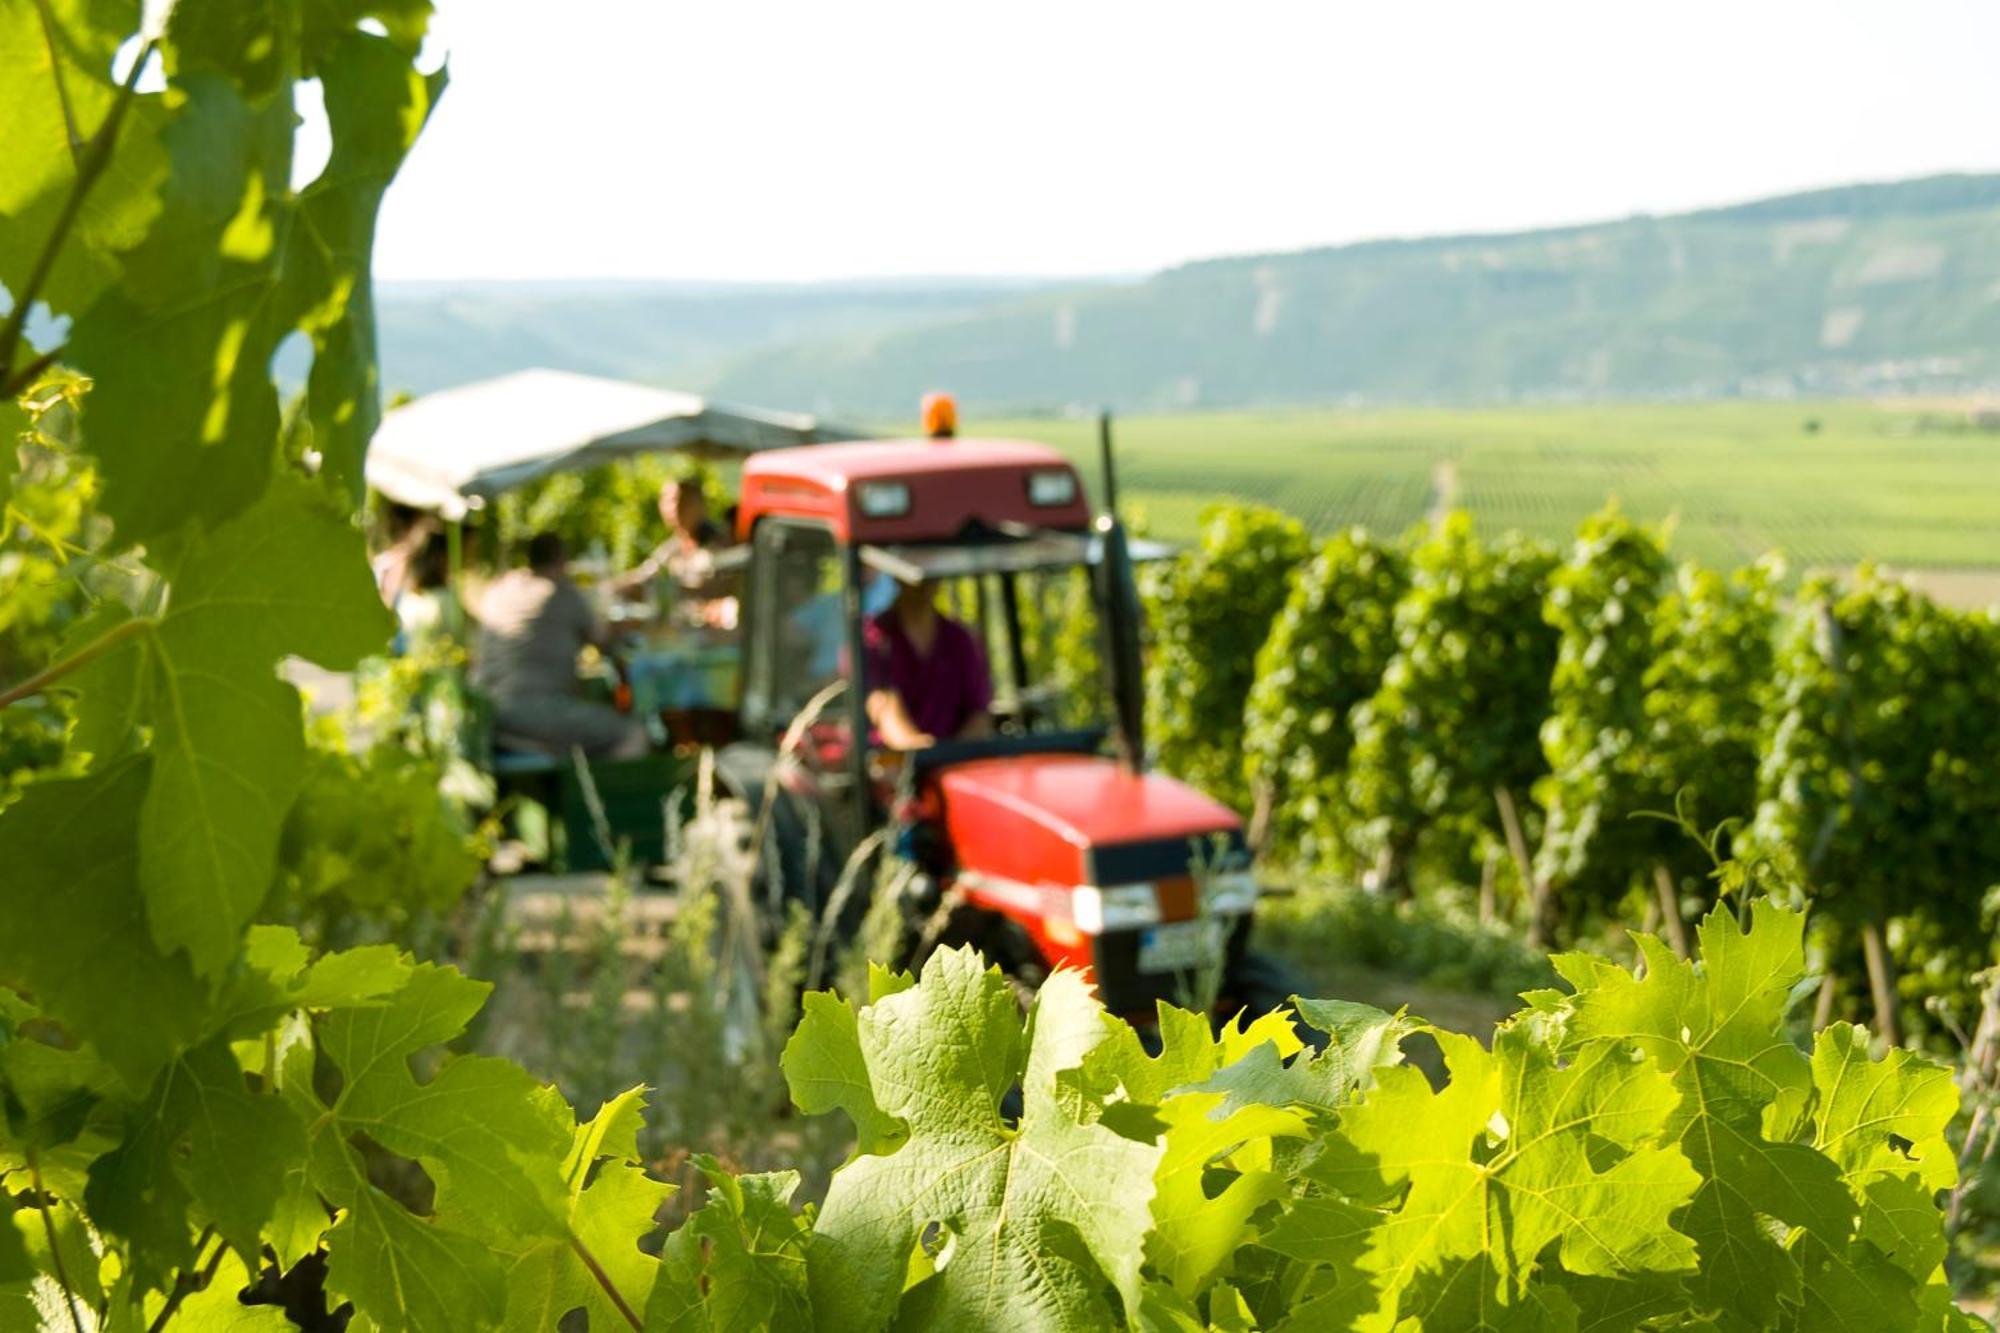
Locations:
column 1180, row 946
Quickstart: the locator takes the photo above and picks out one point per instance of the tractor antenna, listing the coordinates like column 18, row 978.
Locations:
column 1104, row 461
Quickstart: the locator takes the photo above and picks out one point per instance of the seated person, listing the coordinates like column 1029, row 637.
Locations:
column 533, row 621
column 690, row 533
column 926, row 674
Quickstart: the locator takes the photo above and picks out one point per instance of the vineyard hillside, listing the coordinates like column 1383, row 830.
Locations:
column 1860, row 290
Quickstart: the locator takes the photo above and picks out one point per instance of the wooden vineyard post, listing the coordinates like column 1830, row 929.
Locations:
column 1517, row 847
column 1670, row 908
column 1881, row 983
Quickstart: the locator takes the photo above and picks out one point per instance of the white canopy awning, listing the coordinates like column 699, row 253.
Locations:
column 448, row 451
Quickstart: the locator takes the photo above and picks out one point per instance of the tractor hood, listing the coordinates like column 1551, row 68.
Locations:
column 1067, row 820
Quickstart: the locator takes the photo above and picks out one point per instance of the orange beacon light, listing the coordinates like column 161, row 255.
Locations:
column 940, row 413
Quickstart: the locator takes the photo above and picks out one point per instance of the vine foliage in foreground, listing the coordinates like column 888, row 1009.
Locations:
column 1647, row 1149
column 188, row 1099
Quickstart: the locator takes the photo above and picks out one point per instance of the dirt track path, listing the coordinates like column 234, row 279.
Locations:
column 1444, row 489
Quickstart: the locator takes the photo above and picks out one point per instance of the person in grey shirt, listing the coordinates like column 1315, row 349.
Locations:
column 532, row 623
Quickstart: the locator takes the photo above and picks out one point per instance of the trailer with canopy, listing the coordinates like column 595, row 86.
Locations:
column 453, row 452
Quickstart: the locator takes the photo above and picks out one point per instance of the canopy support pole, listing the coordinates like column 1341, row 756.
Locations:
column 454, row 604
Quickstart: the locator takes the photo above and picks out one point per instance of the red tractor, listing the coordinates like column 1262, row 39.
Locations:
column 1047, row 843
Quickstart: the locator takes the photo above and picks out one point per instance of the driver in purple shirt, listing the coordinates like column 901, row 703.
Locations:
column 926, row 674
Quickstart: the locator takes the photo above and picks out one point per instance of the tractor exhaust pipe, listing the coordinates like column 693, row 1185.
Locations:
column 1119, row 617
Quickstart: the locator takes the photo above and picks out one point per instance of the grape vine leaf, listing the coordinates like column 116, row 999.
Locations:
column 285, row 577
column 215, row 1309
column 1360, row 1040
column 1333, row 1234
column 1716, row 1028
column 1849, row 1288
column 1515, row 1154
column 826, row 1070
column 49, row 1087
column 1026, row 1225
column 481, row 1122
column 400, row 1269
column 608, row 1213
column 73, row 928
column 1865, row 1106
column 1197, row 1226
column 378, row 105
column 71, row 44
column 200, row 1142
column 738, row 1263
column 490, row 1139
column 184, row 416
column 15, row 1265
column 112, row 691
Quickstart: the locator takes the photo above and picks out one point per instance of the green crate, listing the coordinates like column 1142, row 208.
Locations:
column 636, row 796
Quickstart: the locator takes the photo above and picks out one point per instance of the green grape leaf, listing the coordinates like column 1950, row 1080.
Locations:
column 613, row 1132
column 1164, row 1310
column 286, row 577
column 1619, row 1305
column 402, row 1270
column 325, row 22
column 110, row 693
column 1717, row 1029
column 202, row 1139
column 1361, row 1040
column 377, row 104
column 1335, row 1235
column 1197, row 1232
column 1852, row 1288
column 607, row 1217
column 48, row 1085
column 215, row 1309
column 73, row 925
column 184, row 416
column 1864, row 1105
column 738, row 1263
column 239, row 1143
column 1514, row 1154
column 1026, row 1225
column 279, row 977
column 73, row 1240
column 76, row 48
column 826, row 1071
column 15, row 1263
column 492, row 1142
column 480, row 1121
column 1191, row 1050
column 1899, row 1217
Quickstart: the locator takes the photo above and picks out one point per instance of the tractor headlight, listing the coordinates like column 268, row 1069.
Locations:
column 1127, row 907
column 1056, row 486
column 883, row 499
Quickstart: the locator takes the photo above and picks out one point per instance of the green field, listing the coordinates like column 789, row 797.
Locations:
column 1916, row 488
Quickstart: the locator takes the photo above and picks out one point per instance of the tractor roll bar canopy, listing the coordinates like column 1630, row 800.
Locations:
column 452, row 450
column 1041, row 550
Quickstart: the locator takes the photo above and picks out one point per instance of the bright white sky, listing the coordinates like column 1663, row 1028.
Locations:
column 752, row 139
